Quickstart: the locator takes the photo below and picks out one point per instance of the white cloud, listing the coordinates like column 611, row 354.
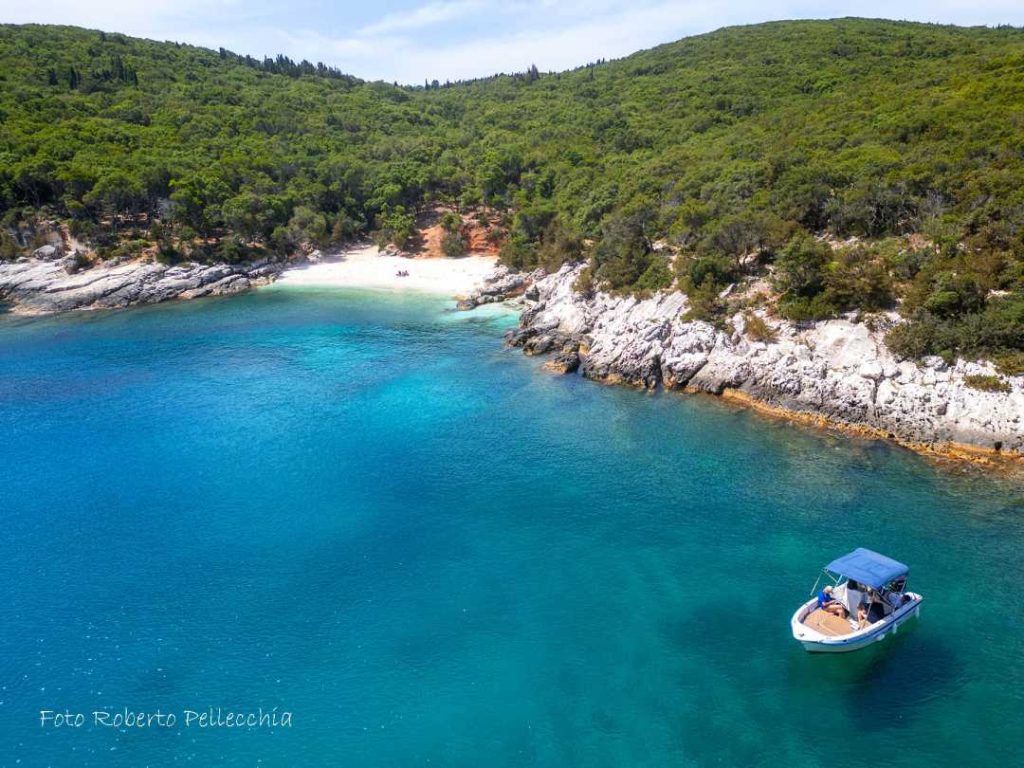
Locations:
column 575, row 34
column 157, row 19
column 424, row 16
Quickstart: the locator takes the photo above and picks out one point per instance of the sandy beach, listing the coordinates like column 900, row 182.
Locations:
column 367, row 267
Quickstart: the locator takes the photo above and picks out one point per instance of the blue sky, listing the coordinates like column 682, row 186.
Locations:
column 413, row 40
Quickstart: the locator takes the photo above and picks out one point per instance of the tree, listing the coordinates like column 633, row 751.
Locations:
column 800, row 267
column 800, row 274
column 196, row 200
column 249, row 214
column 624, row 252
column 116, row 194
column 396, row 227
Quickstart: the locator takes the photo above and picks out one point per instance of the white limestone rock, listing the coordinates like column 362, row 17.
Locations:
column 837, row 368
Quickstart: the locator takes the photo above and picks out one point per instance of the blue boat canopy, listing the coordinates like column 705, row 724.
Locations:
column 868, row 567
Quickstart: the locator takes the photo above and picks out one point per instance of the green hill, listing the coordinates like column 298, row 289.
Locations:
column 734, row 147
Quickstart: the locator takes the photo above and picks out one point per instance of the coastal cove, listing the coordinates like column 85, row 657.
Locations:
column 361, row 508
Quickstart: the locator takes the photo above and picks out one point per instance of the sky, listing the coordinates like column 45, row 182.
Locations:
column 410, row 41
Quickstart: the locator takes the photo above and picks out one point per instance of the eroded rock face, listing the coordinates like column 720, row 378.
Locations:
column 838, row 369
column 38, row 287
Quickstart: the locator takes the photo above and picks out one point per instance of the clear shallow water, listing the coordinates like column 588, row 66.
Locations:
column 363, row 510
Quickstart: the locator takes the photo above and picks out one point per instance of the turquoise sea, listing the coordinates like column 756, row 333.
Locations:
column 362, row 510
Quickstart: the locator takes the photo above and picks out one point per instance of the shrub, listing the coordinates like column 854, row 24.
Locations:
column 986, row 383
column 283, row 241
column 954, row 295
column 996, row 332
column 1010, row 363
column 705, row 303
column 517, row 253
column 802, row 309
column 232, row 250
column 859, row 280
column 800, row 267
column 694, row 270
column 757, row 329
column 8, row 247
column 454, row 244
column 396, row 227
column 912, row 339
column 656, row 277
column 584, row 282
column 451, row 222
column 560, row 244
column 345, row 227
column 308, row 226
column 624, row 253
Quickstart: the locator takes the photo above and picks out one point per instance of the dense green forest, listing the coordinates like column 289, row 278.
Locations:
column 864, row 164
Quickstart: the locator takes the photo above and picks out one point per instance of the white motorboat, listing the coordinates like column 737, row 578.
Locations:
column 863, row 602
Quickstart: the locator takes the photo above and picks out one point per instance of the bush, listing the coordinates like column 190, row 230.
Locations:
column 454, row 244
column 705, row 303
column 1010, row 363
column 858, row 279
column 451, row 222
column 657, row 276
column 997, row 332
column 232, row 250
column 518, row 253
column 757, row 329
column 800, row 267
column 560, row 244
column 396, row 227
column 802, row 309
column 283, row 241
column 584, row 282
column 954, row 295
column 345, row 227
column 912, row 340
column 8, row 247
column 987, row 383
column 624, row 253
column 695, row 270
column 309, row 226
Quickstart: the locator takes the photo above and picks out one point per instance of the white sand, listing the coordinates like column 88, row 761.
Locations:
column 366, row 267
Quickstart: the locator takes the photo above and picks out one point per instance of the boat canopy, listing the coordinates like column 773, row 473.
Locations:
column 868, row 567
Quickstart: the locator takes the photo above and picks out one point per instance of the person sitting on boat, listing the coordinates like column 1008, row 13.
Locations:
column 862, row 617
column 829, row 604
column 876, row 609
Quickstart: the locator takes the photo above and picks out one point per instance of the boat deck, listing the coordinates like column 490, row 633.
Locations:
column 827, row 623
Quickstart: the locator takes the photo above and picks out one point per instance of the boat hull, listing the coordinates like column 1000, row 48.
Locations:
column 815, row 642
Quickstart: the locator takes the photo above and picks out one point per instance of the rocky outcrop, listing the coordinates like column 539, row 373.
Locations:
column 56, row 283
column 838, row 371
column 501, row 285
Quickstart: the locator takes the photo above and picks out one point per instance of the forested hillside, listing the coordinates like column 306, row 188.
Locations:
column 749, row 151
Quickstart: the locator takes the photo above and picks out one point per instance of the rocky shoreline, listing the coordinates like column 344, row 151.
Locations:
column 54, row 282
column 835, row 373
